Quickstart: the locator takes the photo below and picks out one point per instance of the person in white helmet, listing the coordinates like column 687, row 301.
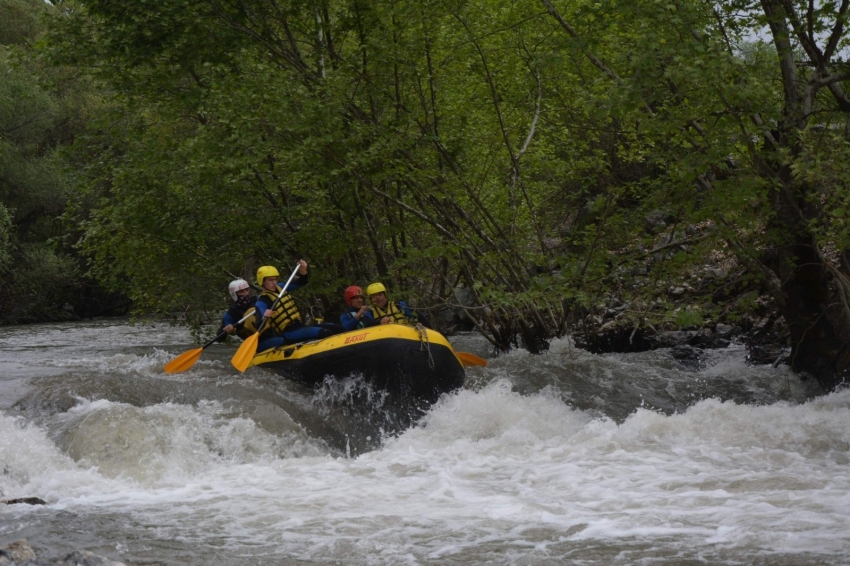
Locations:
column 242, row 304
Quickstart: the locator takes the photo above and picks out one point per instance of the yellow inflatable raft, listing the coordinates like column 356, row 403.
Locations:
column 398, row 358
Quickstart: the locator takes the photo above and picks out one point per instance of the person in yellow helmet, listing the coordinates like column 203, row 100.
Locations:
column 385, row 311
column 285, row 324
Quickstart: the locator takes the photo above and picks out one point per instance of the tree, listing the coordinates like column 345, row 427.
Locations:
column 760, row 162
column 42, row 108
column 32, row 187
column 512, row 149
column 362, row 124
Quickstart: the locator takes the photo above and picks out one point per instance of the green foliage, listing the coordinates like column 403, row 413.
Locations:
column 42, row 108
column 434, row 144
column 823, row 165
column 20, row 21
column 5, row 239
column 29, row 170
column 687, row 317
column 38, row 267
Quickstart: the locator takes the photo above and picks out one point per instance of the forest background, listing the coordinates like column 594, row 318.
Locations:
column 524, row 167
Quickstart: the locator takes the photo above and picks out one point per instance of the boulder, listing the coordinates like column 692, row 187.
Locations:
column 671, row 338
column 657, row 220
column 453, row 318
column 724, row 330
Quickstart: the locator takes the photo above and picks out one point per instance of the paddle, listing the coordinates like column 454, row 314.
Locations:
column 242, row 358
column 187, row 359
column 468, row 359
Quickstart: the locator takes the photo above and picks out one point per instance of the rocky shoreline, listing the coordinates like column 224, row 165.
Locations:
column 713, row 307
column 763, row 332
column 708, row 305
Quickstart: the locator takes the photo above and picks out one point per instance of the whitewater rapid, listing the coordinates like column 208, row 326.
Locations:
column 530, row 463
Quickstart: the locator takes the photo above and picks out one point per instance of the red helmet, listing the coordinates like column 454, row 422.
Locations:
column 351, row 292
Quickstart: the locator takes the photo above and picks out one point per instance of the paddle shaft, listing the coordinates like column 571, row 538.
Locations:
column 223, row 333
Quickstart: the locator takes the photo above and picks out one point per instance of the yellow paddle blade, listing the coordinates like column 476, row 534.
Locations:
column 184, row 361
column 468, row 359
column 243, row 356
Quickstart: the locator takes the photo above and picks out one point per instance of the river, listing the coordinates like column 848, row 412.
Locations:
column 566, row 457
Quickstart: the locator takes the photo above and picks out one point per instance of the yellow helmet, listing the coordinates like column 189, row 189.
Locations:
column 266, row 271
column 375, row 288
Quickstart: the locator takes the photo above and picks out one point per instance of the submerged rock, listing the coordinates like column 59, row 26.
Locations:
column 76, row 558
column 687, row 355
column 27, row 500
column 20, row 553
column 763, row 354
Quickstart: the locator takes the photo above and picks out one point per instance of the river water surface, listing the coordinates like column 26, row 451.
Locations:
column 566, row 457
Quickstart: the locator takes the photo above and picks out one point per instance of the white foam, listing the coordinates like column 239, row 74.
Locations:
column 486, row 465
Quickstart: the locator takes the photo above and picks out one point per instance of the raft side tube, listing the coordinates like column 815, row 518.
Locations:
column 393, row 357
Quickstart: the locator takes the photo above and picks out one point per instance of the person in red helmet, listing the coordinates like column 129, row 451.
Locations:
column 358, row 314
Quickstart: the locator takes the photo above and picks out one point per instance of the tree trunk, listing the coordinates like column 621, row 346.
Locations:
column 816, row 310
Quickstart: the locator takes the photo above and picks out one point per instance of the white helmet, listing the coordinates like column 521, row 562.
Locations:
column 236, row 285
